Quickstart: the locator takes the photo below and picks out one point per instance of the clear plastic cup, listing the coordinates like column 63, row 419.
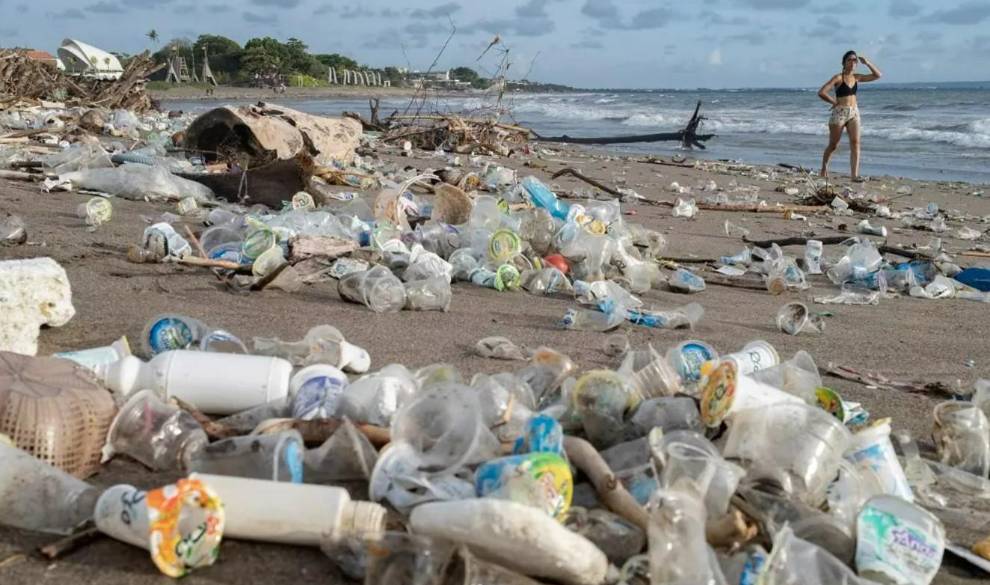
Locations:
column 97, row 211
column 803, row 441
column 158, row 434
column 444, row 426
column 793, row 318
column 377, row 288
column 962, row 436
column 275, row 457
column 36, row 496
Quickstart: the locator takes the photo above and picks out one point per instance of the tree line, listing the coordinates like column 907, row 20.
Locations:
column 265, row 56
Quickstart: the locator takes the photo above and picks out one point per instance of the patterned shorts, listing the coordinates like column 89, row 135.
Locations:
column 842, row 115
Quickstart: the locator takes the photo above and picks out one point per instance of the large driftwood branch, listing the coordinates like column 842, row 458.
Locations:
column 578, row 175
column 611, row 491
column 688, row 137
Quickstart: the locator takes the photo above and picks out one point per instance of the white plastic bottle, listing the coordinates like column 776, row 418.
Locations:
column 292, row 513
column 215, row 383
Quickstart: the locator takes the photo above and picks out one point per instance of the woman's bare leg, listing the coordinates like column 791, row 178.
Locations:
column 852, row 128
column 834, row 134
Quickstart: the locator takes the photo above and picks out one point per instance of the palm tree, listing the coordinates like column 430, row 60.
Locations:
column 152, row 36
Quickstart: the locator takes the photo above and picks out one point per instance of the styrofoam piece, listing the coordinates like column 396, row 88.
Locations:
column 33, row 293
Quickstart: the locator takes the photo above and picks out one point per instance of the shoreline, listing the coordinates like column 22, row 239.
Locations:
column 228, row 92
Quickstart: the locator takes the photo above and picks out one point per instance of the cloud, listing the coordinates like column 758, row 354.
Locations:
column 389, row 13
column 841, row 7
column 436, row 12
column 650, row 19
column 323, row 9
column 523, row 27
column 903, row 8
column 776, row 4
column 147, row 4
column 608, row 16
column 255, row 18
column 533, row 9
column 968, row 13
column 185, row 9
column 276, row 3
column 350, row 12
column 105, row 8
column 604, row 11
column 755, row 37
column 715, row 58
column 715, row 18
column 588, row 44
column 68, row 14
column 21, row 9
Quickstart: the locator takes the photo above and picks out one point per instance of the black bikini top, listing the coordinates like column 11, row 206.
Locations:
column 843, row 90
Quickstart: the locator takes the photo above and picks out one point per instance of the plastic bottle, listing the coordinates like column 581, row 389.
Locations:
column 685, row 281
column 37, row 496
column 180, row 525
column 585, row 320
column 681, row 317
column 90, row 358
column 322, row 344
column 813, row 256
column 292, row 513
column 215, row 383
column 520, row 537
column 544, row 198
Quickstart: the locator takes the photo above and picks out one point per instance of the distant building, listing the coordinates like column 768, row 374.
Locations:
column 88, row 61
column 43, row 57
column 435, row 79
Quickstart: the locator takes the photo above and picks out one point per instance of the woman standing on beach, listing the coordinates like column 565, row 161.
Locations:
column 845, row 113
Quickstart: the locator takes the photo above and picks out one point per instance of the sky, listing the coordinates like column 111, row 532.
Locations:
column 583, row 43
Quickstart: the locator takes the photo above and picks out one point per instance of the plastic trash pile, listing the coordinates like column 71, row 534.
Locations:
column 688, row 466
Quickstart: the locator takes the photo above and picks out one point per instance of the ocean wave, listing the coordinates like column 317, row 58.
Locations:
column 963, row 139
column 901, row 107
column 646, row 120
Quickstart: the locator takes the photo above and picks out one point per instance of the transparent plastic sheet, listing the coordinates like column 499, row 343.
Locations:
column 134, row 181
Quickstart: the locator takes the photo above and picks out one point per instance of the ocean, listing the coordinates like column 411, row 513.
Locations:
column 933, row 132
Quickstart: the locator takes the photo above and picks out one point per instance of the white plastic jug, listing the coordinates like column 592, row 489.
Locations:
column 215, row 383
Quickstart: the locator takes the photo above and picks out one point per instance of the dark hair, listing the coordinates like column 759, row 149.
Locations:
column 847, row 55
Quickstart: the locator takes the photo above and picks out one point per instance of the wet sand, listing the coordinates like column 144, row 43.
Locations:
column 902, row 338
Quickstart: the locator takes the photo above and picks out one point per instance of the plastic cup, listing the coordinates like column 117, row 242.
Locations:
column 181, row 525
column 97, row 211
column 36, row 496
column 276, row 457
column 377, row 288
column 170, row 331
column 187, row 206
column 213, row 237
column 158, row 434
column 871, row 450
column 541, row 480
column 803, row 441
column 616, row 345
column 257, row 242
column 504, row 246
column 797, row 376
column 316, row 391
column 754, row 356
column 657, row 379
column 467, row 569
column 268, row 262
column 796, row 317
column 727, row 391
column 671, row 413
column 303, row 200
column 962, row 436
column 444, row 426
column 687, row 357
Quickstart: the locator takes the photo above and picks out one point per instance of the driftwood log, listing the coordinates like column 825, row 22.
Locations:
column 688, row 136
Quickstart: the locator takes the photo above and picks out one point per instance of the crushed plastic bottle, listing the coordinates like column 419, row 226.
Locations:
column 685, row 281
column 685, row 208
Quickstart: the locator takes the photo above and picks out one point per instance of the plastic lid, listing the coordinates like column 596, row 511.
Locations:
column 719, row 393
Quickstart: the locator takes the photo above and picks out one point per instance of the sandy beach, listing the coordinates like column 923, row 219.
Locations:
column 904, row 338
